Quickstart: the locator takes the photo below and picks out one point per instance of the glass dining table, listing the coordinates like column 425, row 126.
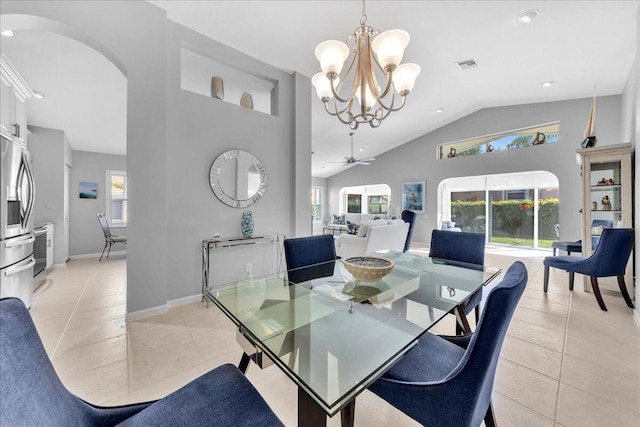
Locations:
column 334, row 335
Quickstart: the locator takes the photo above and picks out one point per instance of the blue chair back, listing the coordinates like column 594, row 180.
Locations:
column 460, row 246
column 31, row 392
column 611, row 255
column 458, row 395
column 410, row 217
column 309, row 251
column 474, row 375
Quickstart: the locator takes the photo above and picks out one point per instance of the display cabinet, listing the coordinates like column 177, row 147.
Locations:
column 606, row 197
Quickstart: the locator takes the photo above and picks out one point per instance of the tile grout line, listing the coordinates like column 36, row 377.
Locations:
column 562, row 361
column 64, row 331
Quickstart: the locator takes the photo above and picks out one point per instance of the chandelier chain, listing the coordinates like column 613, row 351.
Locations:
column 363, row 19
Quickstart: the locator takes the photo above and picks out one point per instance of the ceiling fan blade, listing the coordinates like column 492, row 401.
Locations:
column 370, row 159
column 360, row 162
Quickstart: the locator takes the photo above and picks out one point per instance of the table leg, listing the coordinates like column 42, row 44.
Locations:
column 348, row 414
column 244, row 363
column 461, row 318
column 309, row 412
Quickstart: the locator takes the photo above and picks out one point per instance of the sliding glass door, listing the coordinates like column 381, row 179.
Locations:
column 502, row 208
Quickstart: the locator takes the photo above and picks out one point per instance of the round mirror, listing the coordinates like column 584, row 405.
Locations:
column 238, row 178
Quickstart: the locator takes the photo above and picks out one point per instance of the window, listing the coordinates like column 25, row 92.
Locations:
column 354, row 203
column 372, row 199
column 117, row 198
column 510, row 140
column 316, row 204
column 377, row 204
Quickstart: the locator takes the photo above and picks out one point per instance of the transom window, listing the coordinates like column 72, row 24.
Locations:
column 508, row 140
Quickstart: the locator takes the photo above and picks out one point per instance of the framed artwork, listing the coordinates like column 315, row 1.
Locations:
column 88, row 190
column 413, row 196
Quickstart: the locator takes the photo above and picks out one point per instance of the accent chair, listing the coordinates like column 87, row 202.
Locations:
column 32, row 394
column 447, row 381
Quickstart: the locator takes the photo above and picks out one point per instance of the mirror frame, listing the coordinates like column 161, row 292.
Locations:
column 214, row 179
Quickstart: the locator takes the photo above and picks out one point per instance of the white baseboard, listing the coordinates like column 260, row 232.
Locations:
column 96, row 255
column 162, row 309
column 148, row 312
column 184, row 301
column 636, row 315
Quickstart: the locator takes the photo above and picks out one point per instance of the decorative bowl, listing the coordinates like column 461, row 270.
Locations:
column 368, row 269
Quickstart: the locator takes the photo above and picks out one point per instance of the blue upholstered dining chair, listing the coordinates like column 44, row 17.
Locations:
column 447, row 381
column 308, row 251
column 464, row 247
column 31, row 394
column 609, row 259
column 410, row 217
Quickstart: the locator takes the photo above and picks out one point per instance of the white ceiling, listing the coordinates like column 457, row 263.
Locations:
column 575, row 44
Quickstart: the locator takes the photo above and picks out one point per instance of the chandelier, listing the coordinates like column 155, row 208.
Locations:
column 376, row 58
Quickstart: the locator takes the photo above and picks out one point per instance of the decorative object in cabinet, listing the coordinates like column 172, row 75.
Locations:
column 606, row 197
column 14, row 92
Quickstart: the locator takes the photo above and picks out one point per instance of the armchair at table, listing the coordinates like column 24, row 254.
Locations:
column 463, row 247
column 109, row 239
column 307, row 257
column 447, row 381
column 32, row 394
column 609, row 259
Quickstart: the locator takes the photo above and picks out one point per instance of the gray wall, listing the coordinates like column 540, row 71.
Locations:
column 85, row 233
column 416, row 160
column 50, row 151
column 631, row 133
column 200, row 129
column 172, row 138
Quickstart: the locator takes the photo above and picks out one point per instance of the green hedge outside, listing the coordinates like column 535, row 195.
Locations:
column 510, row 218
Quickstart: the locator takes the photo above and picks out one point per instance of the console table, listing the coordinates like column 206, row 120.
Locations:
column 227, row 242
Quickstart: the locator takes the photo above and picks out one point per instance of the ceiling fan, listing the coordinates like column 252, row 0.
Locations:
column 352, row 160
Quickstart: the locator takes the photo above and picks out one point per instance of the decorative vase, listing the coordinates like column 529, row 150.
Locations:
column 217, row 87
column 246, row 100
column 247, row 224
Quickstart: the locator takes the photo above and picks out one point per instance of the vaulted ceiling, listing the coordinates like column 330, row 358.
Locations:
column 574, row 44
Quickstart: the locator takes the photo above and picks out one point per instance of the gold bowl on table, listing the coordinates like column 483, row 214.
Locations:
column 367, row 268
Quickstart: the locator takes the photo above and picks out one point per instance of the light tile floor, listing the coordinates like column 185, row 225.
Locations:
column 564, row 362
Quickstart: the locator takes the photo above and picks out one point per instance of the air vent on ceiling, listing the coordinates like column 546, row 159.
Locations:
column 469, row 63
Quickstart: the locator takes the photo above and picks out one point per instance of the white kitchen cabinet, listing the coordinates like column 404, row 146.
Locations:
column 14, row 92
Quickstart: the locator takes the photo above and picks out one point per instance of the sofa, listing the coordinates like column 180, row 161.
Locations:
column 374, row 236
column 355, row 218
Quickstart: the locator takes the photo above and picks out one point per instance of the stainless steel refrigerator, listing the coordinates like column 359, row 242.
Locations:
column 16, row 222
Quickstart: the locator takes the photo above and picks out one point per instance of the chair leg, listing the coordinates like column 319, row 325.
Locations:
column 596, row 292
column 490, row 418
column 546, row 278
column 103, row 249
column 572, row 277
column 109, row 251
column 554, row 251
column 625, row 294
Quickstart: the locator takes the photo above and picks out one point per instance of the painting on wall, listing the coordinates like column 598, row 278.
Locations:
column 88, row 190
column 413, row 196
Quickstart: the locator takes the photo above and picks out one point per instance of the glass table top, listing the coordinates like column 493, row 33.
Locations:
column 334, row 335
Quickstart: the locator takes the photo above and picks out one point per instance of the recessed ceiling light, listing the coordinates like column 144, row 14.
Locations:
column 8, row 33
column 529, row 16
column 547, row 84
column 439, row 110
column 362, row 149
column 38, row 95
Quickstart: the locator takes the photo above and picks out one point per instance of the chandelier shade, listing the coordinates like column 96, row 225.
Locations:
column 375, row 82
